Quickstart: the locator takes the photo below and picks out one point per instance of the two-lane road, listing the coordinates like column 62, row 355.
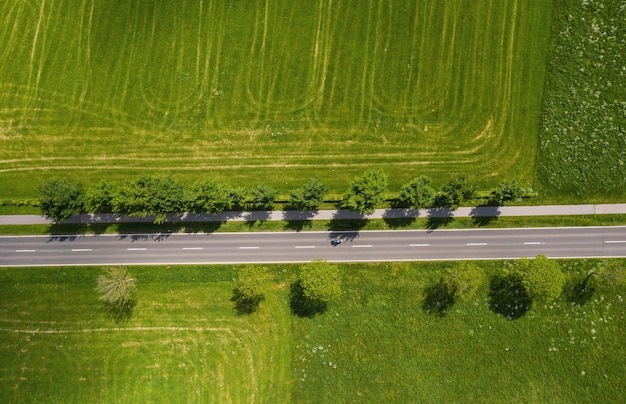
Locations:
column 213, row 248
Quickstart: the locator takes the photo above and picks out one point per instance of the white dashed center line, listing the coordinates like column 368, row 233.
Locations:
column 305, row 246
column 475, row 244
column 249, row 248
column 192, row 248
column 136, row 249
column 533, row 243
column 24, row 251
column 615, row 241
column 362, row 246
column 419, row 245
column 81, row 249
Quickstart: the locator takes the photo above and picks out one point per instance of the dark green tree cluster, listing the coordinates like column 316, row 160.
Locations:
column 149, row 195
column 249, row 289
column 163, row 196
column 511, row 291
column 366, row 192
column 318, row 284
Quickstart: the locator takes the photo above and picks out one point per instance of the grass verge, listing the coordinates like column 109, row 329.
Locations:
column 321, row 225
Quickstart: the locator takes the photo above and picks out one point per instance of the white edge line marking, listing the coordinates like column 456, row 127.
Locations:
column 362, row 246
column 81, row 249
column 192, row 248
column 475, row 244
column 305, row 246
column 24, row 251
column 615, row 241
column 533, row 243
column 249, row 248
column 136, row 249
column 419, row 245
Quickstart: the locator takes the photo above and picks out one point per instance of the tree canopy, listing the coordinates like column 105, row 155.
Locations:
column 117, row 292
column 416, row 194
column 309, row 196
column 320, row 282
column 61, row 199
column 366, row 192
column 542, row 277
column 508, row 191
column 457, row 191
column 149, row 195
column 263, row 197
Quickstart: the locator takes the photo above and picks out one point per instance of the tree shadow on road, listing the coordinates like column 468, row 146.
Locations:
column 439, row 217
column 484, row 214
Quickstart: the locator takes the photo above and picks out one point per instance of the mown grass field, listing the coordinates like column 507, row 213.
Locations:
column 184, row 341
column 182, row 344
column 255, row 91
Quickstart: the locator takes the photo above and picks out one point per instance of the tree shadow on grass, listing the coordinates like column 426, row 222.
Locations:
column 578, row 290
column 120, row 313
column 400, row 218
column 245, row 305
column 438, row 298
column 300, row 305
column 508, row 296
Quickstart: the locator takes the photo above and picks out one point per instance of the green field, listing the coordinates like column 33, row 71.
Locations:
column 582, row 154
column 184, row 341
column 265, row 91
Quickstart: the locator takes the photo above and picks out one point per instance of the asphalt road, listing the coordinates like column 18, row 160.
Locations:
column 213, row 248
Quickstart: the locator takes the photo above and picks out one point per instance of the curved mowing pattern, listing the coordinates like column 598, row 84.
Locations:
column 445, row 86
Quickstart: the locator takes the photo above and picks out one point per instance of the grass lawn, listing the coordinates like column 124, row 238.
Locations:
column 185, row 343
column 257, row 91
column 377, row 344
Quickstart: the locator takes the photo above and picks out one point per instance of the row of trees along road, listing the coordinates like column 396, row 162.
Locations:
column 162, row 196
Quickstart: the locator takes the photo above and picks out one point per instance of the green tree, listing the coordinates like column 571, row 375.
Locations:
column 320, row 284
column 508, row 191
column 117, row 292
column 237, row 197
column 542, row 277
column 263, row 197
column 457, row 191
column 248, row 292
column 148, row 195
column 99, row 198
column 465, row 278
column 61, row 199
column 310, row 196
column 417, row 194
column 208, row 196
column 366, row 192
